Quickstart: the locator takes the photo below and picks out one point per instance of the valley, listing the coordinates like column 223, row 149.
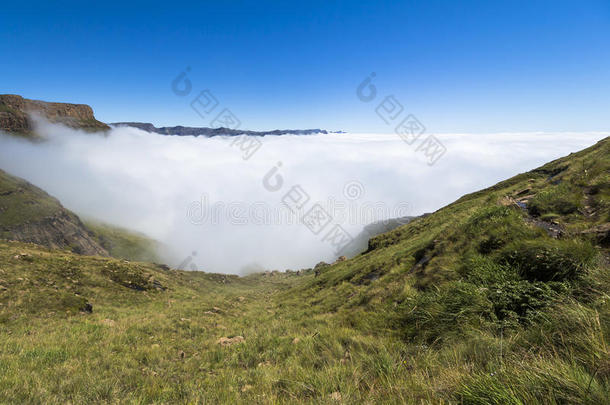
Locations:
column 500, row 297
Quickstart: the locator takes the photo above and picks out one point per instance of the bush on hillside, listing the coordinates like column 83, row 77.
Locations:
column 561, row 199
column 549, row 260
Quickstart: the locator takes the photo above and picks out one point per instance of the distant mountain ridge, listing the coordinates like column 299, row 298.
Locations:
column 17, row 113
column 206, row 131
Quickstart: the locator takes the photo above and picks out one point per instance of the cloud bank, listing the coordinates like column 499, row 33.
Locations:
column 201, row 195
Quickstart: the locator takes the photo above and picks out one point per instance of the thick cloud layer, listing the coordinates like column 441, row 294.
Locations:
column 201, row 194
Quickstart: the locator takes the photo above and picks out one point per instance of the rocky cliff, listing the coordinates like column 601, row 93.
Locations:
column 28, row 214
column 16, row 115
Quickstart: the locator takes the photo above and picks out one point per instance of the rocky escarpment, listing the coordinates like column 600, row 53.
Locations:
column 28, row 214
column 16, row 115
column 205, row 131
column 62, row 230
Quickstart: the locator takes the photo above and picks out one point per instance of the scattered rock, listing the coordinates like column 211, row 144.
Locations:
column 226, row 341
column 88, row 308
column 156, row 284
column 523, row 192
column 601, row 233
column 319, row 267
column 25, row 257
column 341, row 259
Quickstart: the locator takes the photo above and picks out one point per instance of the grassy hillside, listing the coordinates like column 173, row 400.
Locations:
column 501, row 297
column 124, row 244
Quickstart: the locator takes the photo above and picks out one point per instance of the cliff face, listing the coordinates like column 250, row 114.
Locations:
column 28, row 214
column 16, row 111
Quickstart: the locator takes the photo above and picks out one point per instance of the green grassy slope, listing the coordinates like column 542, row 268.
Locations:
column 507, row 288
column 124, row 244
column 22, row 202
column 501, row 297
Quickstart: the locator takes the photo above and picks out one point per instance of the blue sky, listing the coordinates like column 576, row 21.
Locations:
column 467, row 66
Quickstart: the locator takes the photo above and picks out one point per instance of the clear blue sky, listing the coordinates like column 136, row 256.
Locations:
column 467, row 66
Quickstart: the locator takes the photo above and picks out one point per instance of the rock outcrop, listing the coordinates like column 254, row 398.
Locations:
column 16, row 115
column 28, row 214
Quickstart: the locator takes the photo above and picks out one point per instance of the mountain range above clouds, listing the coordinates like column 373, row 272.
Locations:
column 18, row 114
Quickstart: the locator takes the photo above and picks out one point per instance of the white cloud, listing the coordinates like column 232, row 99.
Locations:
column 147, row 182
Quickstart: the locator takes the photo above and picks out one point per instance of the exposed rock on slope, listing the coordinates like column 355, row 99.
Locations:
column 28, row 214
column 15, row 115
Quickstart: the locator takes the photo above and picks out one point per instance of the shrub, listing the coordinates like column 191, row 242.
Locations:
column 520, row 302
column 492, row 227
column 561, row 199
column 484, row 270
column 549, row 260
column 445, row 312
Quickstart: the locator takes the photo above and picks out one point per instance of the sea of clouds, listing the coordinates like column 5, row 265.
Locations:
column 197, row 194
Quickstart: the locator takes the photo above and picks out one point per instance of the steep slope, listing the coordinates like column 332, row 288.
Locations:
column 512, row 281
column 567, row 199
column 15, row 115
column 29, row 214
